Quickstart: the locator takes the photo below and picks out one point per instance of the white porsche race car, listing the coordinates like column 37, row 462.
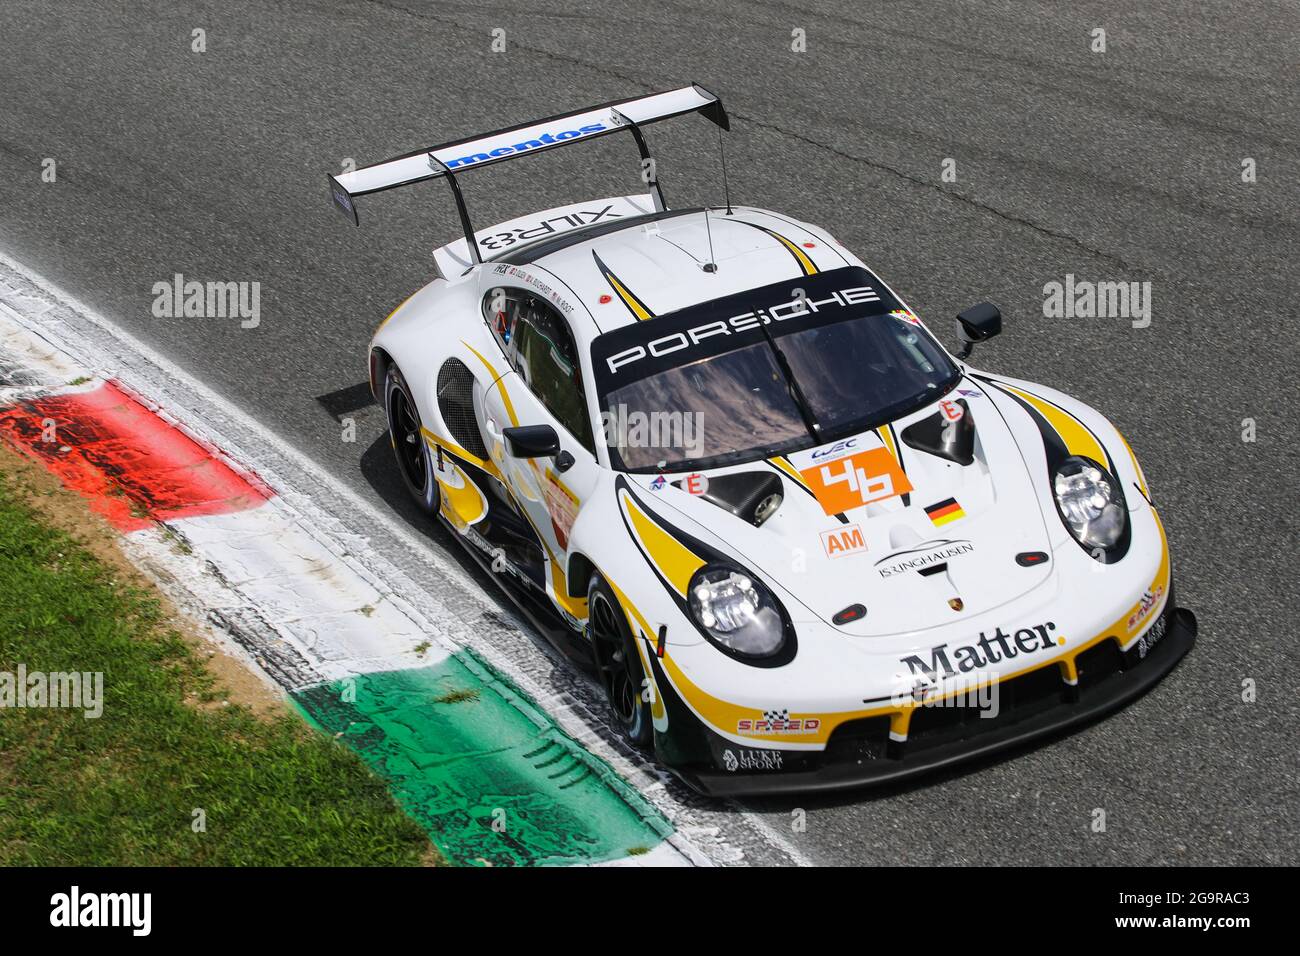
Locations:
column 719, row 461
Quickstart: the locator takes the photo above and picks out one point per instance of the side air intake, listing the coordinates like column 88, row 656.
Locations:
column 456, row 405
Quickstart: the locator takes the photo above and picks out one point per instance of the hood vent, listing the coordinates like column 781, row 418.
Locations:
column 753, row 496
column 936, row 435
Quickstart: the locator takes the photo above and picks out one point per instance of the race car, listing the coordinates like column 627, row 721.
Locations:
column 719, row 462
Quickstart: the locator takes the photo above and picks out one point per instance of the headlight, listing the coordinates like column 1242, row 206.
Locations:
column 737, row 611
column 1090, row 503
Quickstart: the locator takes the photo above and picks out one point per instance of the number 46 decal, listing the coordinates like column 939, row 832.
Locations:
column 856, row 480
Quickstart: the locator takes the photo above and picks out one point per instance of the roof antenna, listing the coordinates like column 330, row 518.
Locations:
column 709, row 266
column 726, row 191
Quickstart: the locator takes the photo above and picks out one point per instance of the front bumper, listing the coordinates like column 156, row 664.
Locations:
column 1035, row 705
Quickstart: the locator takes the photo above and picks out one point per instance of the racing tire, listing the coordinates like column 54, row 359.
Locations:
column 618, row 665
column 414, row 462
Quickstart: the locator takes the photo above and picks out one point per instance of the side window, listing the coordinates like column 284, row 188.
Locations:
column 500, row 310
column 544, row 354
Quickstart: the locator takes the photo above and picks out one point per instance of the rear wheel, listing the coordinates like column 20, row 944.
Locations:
column 618, row 664
column 414, row 462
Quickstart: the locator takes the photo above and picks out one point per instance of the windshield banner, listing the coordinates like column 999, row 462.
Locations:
column 642, row 349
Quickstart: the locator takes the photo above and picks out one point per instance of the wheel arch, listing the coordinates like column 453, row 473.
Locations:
column 578, row 576
column 380, row 362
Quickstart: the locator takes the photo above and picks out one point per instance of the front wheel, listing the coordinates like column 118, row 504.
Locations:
column 412, row 452
column 619, row 664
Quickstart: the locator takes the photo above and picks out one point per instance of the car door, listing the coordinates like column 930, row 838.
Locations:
column 544, row 385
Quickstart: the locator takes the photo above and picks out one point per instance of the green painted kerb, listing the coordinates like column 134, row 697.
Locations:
column 487, row 772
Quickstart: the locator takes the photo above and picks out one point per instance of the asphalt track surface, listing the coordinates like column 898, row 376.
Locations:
column 1124, row 165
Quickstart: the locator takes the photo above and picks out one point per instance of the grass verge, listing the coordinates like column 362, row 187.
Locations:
column 124, row 789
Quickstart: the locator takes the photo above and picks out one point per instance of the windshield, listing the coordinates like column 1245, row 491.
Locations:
column 704, row 387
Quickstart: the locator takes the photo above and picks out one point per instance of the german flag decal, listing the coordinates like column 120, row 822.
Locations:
column 943, row 512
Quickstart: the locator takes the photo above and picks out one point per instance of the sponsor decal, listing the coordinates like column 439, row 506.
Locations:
column 658, row 483
column 562, row 506
column 944, row 512
column 945, row 660
column 545, row 288
column 859, row 479
column 795, row 308
column 546, row 139
column 1145, row 606
column 969, row 393
column 923, row 556
column 906, row 316
column 951, row 410
column 844, row 540
column 546, row 227
column 695, row 484
column 1152, row 637
column 742, row 759
column 778, row 722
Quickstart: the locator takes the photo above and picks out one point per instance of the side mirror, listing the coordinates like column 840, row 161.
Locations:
column 976, row 324
column 531, row 441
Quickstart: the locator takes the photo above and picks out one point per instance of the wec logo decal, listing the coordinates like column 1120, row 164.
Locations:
column 836, row 450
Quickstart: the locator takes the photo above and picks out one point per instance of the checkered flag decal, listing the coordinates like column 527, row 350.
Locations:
column 772, row 716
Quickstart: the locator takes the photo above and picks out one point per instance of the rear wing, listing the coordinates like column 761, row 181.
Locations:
column 445, row 161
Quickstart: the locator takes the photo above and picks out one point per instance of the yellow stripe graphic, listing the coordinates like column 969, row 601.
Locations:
column 783, row 463
column 675, row 561
column 808, row 266
column 1078, row 439
column 500, row 383
column 453, row 448
column 887, row 437
column 634, row 305
column 629, row 299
